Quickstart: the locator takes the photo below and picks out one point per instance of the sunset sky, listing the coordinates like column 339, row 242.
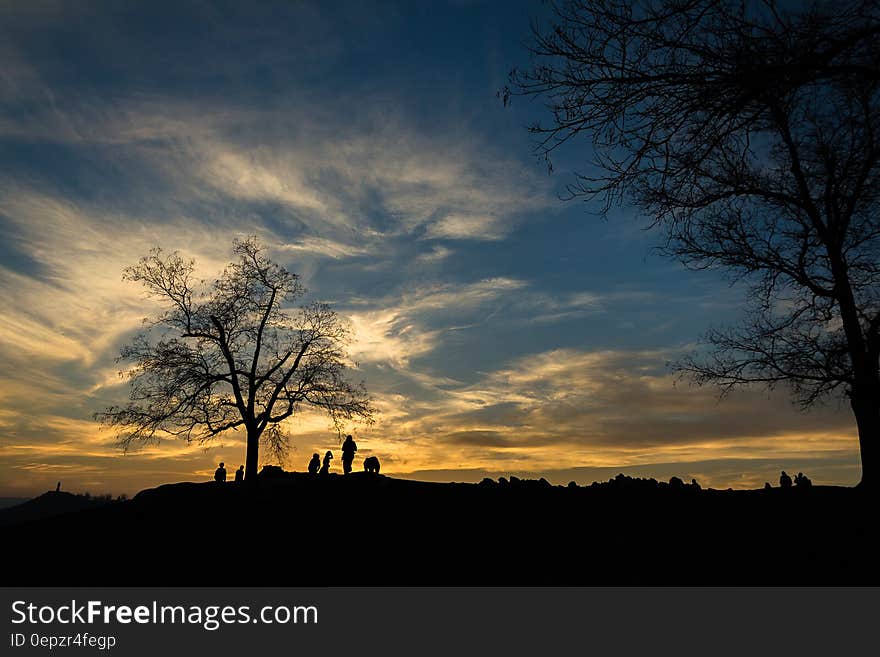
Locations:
column 499, row 328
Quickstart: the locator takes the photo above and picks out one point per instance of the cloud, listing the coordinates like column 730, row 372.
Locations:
column 397, row 213
column 474, row 227
column 377, row 176
column 78, row 307
column 256, row 175
column 438, row 253
column 324, row 247
column 604, row 409
column 398, row 331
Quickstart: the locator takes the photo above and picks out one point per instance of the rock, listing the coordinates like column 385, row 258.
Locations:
column 272, row 471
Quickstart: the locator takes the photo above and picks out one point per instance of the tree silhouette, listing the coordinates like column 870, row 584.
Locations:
column 230, row 355
column 748, row 132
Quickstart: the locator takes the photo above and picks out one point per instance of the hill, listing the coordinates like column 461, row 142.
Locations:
column 294, row 529
column 6, row 502
column 51, row 503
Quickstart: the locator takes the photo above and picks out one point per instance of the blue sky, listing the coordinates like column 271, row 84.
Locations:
column 500, row 328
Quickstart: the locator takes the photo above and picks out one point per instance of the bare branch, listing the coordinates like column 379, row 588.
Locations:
column 223, row 357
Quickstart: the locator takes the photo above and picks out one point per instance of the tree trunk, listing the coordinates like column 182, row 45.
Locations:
column 865, row 402
column 864, row 396
column 251, row 460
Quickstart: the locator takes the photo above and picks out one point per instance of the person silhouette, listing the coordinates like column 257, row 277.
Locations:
column 220, row 474
column 314, row 464
column 802, row 480
column 349, row 447
column 239, row 474
column 325, row 467
column 784, row 480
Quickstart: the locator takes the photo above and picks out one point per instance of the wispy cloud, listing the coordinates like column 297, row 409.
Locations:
column 475, row 227
column 603, row 409
column 397, row 208
column 399, row 330
column 325, row 247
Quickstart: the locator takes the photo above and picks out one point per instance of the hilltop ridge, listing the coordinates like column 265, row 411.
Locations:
column 360, row 529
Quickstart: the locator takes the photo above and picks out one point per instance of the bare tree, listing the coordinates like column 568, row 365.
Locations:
column 748, row 132
column 230, row 355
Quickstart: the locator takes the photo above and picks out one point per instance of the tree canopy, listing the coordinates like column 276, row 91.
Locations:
column 748, row 133
column 233, row 355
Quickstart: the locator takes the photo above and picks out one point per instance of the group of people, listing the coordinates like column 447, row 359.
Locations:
column 316, row 466
column 349, row 447
column 801, row 480
column 220, row 474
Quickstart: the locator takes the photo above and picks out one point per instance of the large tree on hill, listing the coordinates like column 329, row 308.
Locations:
column 231, row 355
column 750, row 133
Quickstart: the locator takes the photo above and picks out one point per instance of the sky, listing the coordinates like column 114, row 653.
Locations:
column 499, row 328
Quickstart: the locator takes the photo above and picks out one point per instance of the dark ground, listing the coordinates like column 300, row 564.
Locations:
column 48, row 504
column 297, row 530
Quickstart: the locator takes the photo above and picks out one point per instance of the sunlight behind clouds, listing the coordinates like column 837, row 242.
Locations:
column 498, row 328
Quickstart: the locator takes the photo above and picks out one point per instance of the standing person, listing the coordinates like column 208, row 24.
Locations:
column 349, row 447
column 220, row 474
column 239, row 474
column 325, row 468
